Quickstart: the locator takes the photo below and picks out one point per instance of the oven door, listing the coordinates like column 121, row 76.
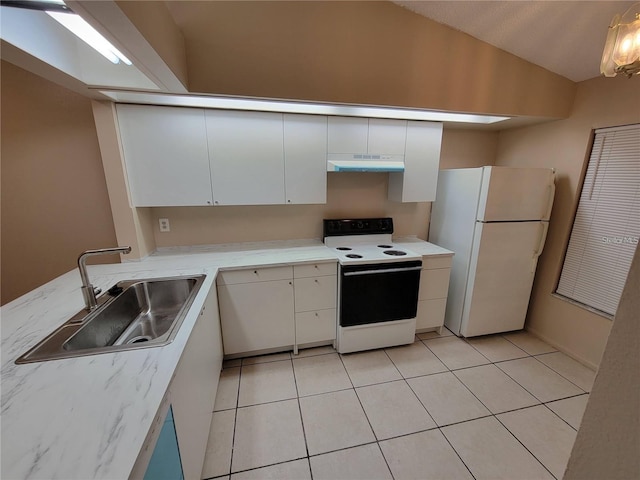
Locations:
column 380, row 292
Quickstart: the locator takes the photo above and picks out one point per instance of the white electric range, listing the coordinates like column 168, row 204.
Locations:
column 377, row 285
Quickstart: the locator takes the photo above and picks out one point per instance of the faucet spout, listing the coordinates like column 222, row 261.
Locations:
column 88, row 292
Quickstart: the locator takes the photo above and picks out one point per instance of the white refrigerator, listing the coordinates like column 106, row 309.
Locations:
column 495, row 219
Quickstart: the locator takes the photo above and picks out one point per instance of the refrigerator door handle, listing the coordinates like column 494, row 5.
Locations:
column 538, row 251
column 552, row 193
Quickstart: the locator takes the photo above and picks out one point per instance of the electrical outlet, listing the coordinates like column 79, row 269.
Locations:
column 164, row 224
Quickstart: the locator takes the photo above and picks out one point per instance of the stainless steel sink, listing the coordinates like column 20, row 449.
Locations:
column 132, row 314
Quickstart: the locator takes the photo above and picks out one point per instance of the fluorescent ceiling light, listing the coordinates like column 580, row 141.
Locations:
column 77, row 25
column 233, row 103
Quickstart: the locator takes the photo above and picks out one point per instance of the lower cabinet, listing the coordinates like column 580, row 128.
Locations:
column 432, row 297
column 176, row 443
column 271, row 308
column 257, row 314
column 165, row 461
column 193, row 389
column 315, row 303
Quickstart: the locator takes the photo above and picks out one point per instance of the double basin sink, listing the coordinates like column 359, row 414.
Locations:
column 132, row 314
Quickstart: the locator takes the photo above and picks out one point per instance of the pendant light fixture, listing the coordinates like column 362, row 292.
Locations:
column 622, row 49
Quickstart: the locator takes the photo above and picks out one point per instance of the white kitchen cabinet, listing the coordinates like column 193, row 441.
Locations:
column 432, row 296
column 250, row 275
column 347, row 135
column 315, row 289
column 366, row 135
column 193, row 389
column 316, row 327
column 315, row 293
column 246, row 151
column 166, row 156
column 421, row 164
column 387, row 136
column 305, row 158
column 258, row 315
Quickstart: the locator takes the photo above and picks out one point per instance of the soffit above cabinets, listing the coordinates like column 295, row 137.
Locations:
column 293, row 106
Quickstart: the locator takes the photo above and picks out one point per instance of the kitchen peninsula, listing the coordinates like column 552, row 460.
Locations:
column 90, row 416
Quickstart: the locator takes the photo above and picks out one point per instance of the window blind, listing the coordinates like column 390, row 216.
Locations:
column 607, row 223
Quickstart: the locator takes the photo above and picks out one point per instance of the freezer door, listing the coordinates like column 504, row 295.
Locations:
column 513, row 194
column 503, row 263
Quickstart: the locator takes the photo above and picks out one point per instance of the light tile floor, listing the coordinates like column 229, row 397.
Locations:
column 501, row 406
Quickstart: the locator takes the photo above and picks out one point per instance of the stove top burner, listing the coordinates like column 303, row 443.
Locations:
column 353, row 255
column 344, row 248
column 385, row 246
column 396, row 253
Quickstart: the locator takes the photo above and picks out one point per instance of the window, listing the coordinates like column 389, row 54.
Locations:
column 607, row 223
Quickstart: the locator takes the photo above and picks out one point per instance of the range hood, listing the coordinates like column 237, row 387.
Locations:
column 345, row 162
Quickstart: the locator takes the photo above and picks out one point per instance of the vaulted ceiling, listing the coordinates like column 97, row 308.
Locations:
column 565, row 37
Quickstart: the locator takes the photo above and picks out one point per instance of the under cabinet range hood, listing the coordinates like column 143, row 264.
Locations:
column 344, row 162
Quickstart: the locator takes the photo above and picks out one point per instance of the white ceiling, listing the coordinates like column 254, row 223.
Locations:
column 565, row 37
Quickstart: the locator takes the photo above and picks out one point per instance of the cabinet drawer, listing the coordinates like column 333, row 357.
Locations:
column 315, row 293
column 314, row 270
column 317, row 326
column 431, row 313
column 434, row 284
column 250, row 275
column 440, row 261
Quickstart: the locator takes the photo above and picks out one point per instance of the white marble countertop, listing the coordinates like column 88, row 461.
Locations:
column 87, row 417
column 421, row 247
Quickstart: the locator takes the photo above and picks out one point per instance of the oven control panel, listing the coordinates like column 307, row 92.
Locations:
column 359, row 226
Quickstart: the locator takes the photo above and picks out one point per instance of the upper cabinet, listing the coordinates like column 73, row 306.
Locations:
column 387, row 136
column 305, row 158
column 247, row 157
column 355, row 135
column 177, row 156
column 421, row 163
column 165, row 149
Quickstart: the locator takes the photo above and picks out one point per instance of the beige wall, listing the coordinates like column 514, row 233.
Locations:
column 54, row 196
column 348, row 195
column 564, row 144
column 608, row 442
column 358, row 52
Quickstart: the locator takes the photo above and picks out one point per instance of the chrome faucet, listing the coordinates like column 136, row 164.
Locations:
column 88, row 291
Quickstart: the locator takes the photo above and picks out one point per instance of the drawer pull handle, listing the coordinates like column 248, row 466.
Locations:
column 255, row 271
column 316, row 280
column 316, row 314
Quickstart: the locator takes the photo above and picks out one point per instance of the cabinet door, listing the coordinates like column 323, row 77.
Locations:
column 434, row 283
column 421, row 163
column 305, row 158
column 431, row 313
column 387, row 136
column 193, row 390
column 247, row 157
column 347, row 134
column 256, row 316
column 165, row 152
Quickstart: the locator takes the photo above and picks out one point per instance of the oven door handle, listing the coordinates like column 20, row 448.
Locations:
column 390, row 270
